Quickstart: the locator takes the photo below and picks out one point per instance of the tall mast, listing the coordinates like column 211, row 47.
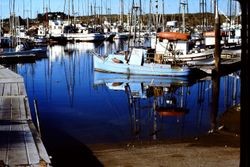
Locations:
column 203, row 10
column 49, row 6
column 150, row 16
column 156, row 23
column 184, row 7
column 30, row 8
column 23, row 8
column 121, row 11
column 163, row 15
column 68, row 10
column 230, row 11
column 44, row 6
column 73, row 11
column 12, row 20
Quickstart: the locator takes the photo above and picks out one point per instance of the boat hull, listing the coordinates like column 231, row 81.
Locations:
column 38, row 52
column 85, row 37
column 107, row 65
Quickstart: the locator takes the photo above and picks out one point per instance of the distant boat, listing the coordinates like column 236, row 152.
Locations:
column 135, row 63
column 23, row 50
column 85, row 36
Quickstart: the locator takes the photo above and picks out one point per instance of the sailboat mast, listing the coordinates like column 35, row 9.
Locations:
column 150, row 17
column 139, row 20
column 12, row 21
column 163, row 15
column 49, row 6
column 121, row 12
column 156, row 23
column 203, row 10
column 68, row 10
column 184, row 7
column 30, row 8
column 230, row 12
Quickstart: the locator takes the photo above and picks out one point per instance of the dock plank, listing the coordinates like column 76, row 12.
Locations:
column 20, row 144
column 13, row 108
column 7, row 76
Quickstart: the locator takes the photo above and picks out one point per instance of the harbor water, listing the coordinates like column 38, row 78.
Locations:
column 78, row 107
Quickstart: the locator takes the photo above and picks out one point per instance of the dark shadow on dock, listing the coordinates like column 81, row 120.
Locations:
column 75, row 153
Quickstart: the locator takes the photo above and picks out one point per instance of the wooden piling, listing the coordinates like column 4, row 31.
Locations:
column 217, row 50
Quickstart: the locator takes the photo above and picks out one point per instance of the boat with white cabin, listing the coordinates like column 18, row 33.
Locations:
column 177, row 46
column 136, row 63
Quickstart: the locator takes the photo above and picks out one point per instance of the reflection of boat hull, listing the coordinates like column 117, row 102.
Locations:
column 102, row 78
column 138, row 84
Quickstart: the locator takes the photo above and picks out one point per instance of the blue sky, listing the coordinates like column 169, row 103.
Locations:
column 25, row 8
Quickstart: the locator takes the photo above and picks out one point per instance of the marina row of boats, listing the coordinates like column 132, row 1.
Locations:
column 175, row 54
column 170, row 53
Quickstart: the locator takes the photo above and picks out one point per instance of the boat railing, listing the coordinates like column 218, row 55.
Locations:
column 103, row 57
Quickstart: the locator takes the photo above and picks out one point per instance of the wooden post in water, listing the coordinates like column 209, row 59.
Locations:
column 217, row 50
column 215, row 101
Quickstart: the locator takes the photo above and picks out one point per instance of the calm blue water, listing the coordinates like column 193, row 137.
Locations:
column 79, row 106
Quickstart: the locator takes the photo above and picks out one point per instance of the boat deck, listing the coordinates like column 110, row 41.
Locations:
column 20, row 143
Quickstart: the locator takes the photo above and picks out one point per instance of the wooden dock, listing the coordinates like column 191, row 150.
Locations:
column 20, row 143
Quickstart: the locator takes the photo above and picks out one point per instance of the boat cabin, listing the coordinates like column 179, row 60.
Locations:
column 137, row 56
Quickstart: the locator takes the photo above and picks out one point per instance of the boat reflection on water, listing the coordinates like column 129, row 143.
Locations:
column 170, row 107
column 78, row 106
column 153, row 102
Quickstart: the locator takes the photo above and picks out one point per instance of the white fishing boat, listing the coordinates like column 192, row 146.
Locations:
column 136, row 63
column 85, row 36
column 176, row 46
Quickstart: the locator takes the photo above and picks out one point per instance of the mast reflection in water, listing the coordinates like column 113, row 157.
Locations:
column 92, row 107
